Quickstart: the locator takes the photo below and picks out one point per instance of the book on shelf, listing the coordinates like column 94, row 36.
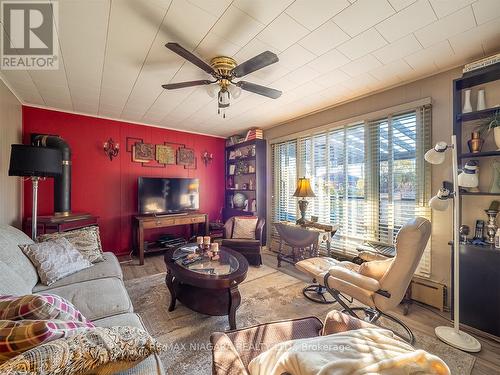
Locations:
column 254, row 133
column 490, row 60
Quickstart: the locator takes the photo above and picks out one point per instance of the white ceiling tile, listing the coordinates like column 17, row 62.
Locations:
column 486, row 35
column 236, row 26
column 362, row 44
column 268, row 74
column 263, row 11
column 332, row 78
column 393, row 72
column 214, row 7
column 252, row 49
column 302, row 75
column 361, row 65
column 446, row 7
column 362, row 15
column 295, row 56
column 83, row 48
column 398, row 49
column 324, row 38
column 486, row 10
column 213, row 45
column 282, row 32
column 406, row 21
column 329, row 61
column 401, row 4
column 428, row 57
column 312, row 14
column 442, row 29
column 361, row 83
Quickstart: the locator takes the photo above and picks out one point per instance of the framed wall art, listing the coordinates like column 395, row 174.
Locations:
column 143, row 152
column 166, row 154
column 185, row 157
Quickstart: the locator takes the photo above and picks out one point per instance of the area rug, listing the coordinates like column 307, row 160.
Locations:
column 267, row 295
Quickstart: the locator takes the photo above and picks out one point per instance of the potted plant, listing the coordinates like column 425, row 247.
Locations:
column 492, row 122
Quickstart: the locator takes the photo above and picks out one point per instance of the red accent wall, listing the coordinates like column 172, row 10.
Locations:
column 107, row 188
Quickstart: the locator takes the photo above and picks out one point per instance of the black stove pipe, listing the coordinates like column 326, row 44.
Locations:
column 62, row 183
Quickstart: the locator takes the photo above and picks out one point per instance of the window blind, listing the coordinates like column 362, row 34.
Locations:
column 369, row 178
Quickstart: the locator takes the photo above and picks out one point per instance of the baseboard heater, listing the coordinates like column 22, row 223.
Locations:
column 429, row 292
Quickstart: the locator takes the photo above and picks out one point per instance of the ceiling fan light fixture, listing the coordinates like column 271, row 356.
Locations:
column 235, row 91
column 213, row 90
column 223, row 97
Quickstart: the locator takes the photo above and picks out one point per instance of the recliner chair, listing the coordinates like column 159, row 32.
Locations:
column 379, row 284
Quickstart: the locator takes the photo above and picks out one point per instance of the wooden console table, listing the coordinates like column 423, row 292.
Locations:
column 51, row 224
column 144, row 222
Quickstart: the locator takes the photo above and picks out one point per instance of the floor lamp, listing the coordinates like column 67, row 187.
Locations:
column 468, row 178
column 36, row 163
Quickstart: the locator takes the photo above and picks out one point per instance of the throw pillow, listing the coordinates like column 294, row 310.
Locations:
column 86, row 240
column 244, row 227
column 39, row 307
column 96, row 351
column 19, row 336
column 55, row 259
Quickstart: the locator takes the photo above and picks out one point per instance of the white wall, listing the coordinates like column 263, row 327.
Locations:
column 10, row 132
column 439, row 88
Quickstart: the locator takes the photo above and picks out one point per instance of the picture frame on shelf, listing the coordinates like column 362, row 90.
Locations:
column 232, row 155
column 232, row 169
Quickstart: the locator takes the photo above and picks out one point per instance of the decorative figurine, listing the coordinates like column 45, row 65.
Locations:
column 491, row 227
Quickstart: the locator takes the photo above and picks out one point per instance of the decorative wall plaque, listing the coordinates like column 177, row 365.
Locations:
column 185, row 157
column 165, row 154
column 143, row 152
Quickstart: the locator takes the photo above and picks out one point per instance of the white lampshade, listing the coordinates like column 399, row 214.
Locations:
column 469, row 177
column 440, row 201
column 235, row 91
column 436, row 155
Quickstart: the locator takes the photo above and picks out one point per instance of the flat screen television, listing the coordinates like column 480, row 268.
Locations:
column 168, row 195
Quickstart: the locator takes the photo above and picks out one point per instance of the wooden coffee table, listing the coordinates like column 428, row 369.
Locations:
column 208, row 287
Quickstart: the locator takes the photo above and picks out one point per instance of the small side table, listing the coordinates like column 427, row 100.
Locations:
column 304, row 241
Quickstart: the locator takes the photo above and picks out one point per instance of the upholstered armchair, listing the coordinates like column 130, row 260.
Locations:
column 380, row 285
column 250, row 248
column 232, row 351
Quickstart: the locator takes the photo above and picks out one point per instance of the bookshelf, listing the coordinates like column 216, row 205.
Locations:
column 245, row 179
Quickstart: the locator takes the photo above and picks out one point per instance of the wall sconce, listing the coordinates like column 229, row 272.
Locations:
column 207, row 157
column 111, row 148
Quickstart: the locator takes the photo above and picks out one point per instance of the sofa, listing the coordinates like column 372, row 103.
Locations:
column 98, row 292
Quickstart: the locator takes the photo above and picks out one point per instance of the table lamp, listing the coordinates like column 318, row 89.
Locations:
column 303, row 191
column 34, row 162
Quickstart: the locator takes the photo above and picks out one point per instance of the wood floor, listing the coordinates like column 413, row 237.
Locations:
column 420, row 318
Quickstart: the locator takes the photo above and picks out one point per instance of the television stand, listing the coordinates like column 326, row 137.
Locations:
column 176, row 214
column 145, row 222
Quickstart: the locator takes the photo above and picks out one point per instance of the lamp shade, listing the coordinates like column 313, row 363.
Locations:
column 36, row 161
column 436, row 155
column 304, row 188
column 440, row 201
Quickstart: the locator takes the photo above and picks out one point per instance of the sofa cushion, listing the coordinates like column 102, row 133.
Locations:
column 12, row 283
column 151, row 365
column 55, row 259
column 99, row 351
column 38, row 307
column 110, row 267
column 97, row 299
column 12, row 256
column 86, row 240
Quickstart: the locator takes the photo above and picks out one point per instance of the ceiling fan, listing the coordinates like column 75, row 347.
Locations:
column 224, row 70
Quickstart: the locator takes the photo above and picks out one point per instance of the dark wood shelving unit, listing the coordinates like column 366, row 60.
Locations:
column 257, row 160
column 479, row 265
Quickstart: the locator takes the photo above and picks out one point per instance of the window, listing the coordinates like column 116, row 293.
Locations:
column 369, row 178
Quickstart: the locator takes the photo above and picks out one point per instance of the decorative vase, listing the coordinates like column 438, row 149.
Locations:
column 467, row 106
column 496, row 134
column 475, row 143
column 491, row 227
column 481, row 100
column 495, row 180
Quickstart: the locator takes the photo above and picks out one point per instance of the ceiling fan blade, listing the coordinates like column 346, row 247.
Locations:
column 258, row 89
column 255, row 63
column 181, row 51
column 180, row 85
